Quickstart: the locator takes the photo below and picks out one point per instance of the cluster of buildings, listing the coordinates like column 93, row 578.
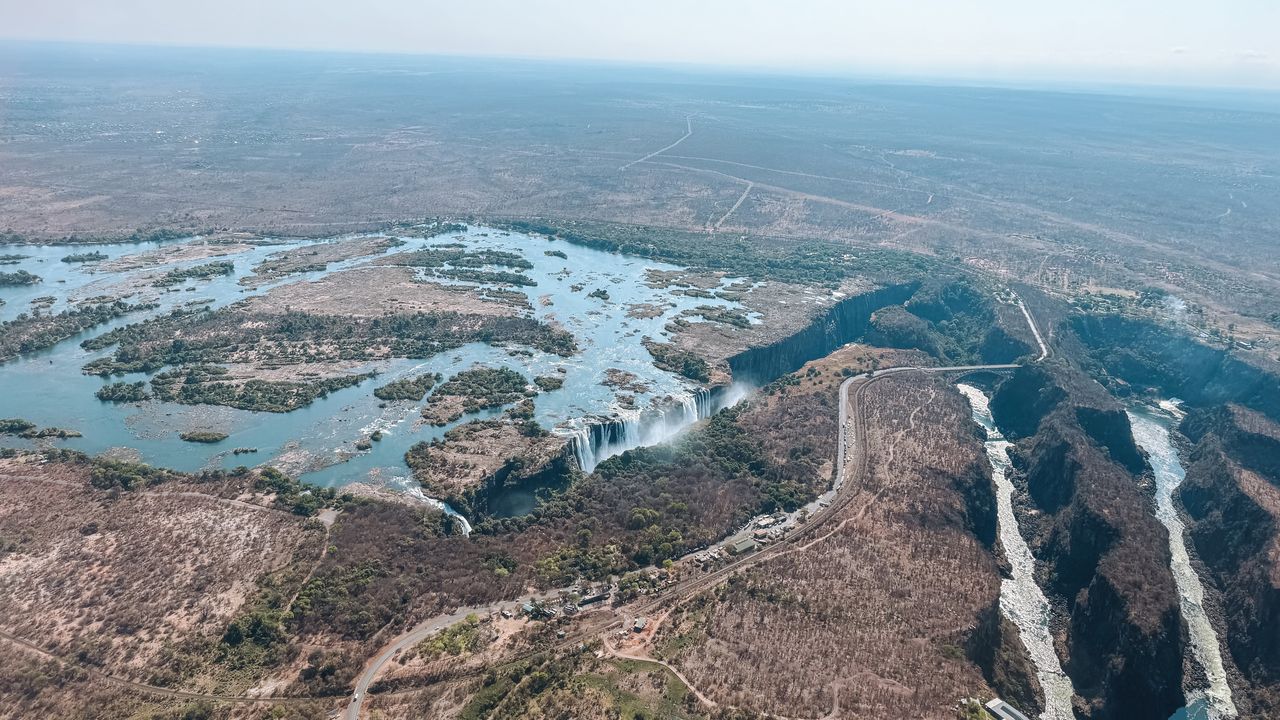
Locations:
column 571, row 602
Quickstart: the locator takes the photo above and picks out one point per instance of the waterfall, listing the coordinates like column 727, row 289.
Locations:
column 414, row 490
column 593, row 442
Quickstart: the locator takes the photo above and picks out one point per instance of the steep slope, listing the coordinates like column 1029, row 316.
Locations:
column 1103, row 556
column 1232, row 497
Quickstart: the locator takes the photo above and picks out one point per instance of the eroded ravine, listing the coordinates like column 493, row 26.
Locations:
column 1213, row 701
column 1021, row 600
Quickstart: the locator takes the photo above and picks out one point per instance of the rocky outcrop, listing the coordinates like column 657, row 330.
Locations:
column 954, row 321
column 1024, row 400
column 895, row 327
column 1232, row 499
column 977, row 489
column 1102, row 556
column 1248, row 437
column 1000, row 346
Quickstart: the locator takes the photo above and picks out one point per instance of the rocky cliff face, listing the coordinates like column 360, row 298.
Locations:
column 954, row 321
column 1142, row 354
column 1102, row 554
column 1232, row 499
column 997, row 649
column 843, row 323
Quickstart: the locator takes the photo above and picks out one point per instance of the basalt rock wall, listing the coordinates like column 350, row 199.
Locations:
column 842, row 323
column 1102, row 557
column 1232, row 500
column 1143, row 354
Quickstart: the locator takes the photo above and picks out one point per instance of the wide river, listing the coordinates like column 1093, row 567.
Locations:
column 48, row 387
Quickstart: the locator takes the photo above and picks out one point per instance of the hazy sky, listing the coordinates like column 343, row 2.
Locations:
column 1231, row 42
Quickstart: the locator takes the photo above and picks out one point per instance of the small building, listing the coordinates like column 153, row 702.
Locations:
column 640, row 624
column 1003, row 711
column 593, row 599
column 743, row 546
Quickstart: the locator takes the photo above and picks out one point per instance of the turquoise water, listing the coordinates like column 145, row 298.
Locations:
column 48, row 387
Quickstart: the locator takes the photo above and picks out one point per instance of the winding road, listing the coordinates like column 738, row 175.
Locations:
column 851, row 439
column 847, row 441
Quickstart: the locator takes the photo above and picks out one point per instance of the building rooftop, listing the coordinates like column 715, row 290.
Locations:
column 1003, row 710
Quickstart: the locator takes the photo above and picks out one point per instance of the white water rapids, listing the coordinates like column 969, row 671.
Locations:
column 1021, row 599
column 1151, row 432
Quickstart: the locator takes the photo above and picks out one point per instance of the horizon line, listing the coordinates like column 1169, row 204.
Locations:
column 1047, row 79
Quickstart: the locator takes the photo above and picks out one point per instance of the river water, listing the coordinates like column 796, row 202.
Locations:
column 48, row 387
column 1021, row 599
column 1151, row 426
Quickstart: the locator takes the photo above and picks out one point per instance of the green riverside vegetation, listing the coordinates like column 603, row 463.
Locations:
column 18, row 278
column 86, row 257
column 123, row 392
column 31, row 332
column 799, row 261
column 204, row 385
column 27, row 429
column 547, row 383
column 295, row 337
column 411, row 388
column 203, row 436
column 178, row 276
column 483, row 388
column 666, row 356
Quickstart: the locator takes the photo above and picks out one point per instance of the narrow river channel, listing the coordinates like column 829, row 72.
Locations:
column 1151, row 432
column 1021, row 599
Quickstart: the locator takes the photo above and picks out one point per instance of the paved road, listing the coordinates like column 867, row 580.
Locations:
column 407, row 640
column 680, row 592
column 835, row 501
column 1044, row 349
column 421, row 632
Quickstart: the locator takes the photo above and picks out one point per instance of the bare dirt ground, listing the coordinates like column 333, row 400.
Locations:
column 870, row 620
column 782, row 309
column 475, row 451
column 218, row 245
column 375, row 291
column 119, row 578
column 315, row 257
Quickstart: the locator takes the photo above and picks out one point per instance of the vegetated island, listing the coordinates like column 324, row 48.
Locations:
column 123, row 392
column 36, row 331
column 473, row 390
column 28, row 430
column 410, row 388
column 18, row 278
column 203, row 436
column 197, row 272
column 86, row 257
